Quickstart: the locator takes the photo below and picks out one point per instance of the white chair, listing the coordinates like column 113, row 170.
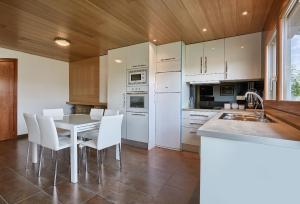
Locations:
column 33, row 132
column 96, row 112
column 57, row 113
column 109, row 112
column 109, row 135
column 50, row 140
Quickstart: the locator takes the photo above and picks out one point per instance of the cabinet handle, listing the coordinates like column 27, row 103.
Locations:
column 201, row 65
column 205, row 64
column 196, row 123
column 199, row 115
column 193, row 132
column 226, row 70
column 124, row 100
column 167, row 59
column 138, row 114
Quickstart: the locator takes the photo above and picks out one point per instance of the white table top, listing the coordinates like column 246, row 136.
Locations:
column 77, row 119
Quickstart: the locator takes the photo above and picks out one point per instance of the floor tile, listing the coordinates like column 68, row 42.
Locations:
column 40, row 198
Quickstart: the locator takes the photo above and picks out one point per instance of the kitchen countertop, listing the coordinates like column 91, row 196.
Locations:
column 204, row 110
column 276, row 133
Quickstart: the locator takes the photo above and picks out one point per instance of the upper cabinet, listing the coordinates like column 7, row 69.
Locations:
column 168, row 57
column 138, row 56
column 243, row 57
column 205, row 61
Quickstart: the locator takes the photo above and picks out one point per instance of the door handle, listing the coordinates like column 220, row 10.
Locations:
column 226, row 69
column 201, row 65
column 205, row 64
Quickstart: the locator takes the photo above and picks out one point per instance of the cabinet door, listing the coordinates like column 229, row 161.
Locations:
column 214, row 57
column 194, row 59
column 116, row 87
column 243, row 57
column 168, row 120
column 138, row 56
column 168, row 82
column 169, row 52
column 137, row 127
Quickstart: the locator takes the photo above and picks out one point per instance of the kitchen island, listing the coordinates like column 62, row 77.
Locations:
column 247, row 162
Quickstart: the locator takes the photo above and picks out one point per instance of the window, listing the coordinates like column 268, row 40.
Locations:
column 271, row 69
column 291, row 53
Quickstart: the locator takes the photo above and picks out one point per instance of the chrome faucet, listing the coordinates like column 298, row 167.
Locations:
column 260, row 100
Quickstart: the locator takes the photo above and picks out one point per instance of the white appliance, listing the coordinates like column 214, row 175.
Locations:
column 137, row 102
column 137, row 127
column 137, row 77
column 168, row 110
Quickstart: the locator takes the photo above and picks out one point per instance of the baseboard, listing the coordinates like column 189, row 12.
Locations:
column 135, row 143
column 190, row 148
column 23, row 136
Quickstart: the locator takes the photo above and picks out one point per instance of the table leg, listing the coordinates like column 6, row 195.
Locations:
column 117, row 152
column 73, row 156
column 34, row 153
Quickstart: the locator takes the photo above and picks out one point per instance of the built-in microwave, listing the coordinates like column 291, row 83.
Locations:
column 137, row 77
column 137, row 102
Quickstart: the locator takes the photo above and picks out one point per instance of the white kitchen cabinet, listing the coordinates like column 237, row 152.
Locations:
column 213, row 61
column 169, row 57
column 168, row 82
column 243, row 57
column 168, row 120
column 194, row 58
column 116, row 94
column 205, row 62
column 138, row 56
column 137, row 127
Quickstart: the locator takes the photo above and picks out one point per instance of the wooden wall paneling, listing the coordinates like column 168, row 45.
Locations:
column 8, row 98
column 95, row 26
column 84, row 81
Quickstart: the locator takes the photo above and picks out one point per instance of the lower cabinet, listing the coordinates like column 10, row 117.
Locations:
column 191, row 121
column 137, row 127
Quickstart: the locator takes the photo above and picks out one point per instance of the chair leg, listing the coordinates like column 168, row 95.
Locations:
column 28, row 149
column 98, row 166
column 55, row 172
column 86, row 160
column 40, row 164
column 101, row 157
column 120, row 155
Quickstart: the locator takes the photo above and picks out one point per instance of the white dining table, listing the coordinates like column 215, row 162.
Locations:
column 75, row 123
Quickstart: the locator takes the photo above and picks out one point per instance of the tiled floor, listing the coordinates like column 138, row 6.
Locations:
column 156, row 176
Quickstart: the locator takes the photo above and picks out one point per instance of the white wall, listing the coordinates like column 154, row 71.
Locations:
column 42, row 83
column 103, row 78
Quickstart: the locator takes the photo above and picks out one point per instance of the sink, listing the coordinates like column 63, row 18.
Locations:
column 244, row 117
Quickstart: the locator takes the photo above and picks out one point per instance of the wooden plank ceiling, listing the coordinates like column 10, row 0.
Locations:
column 95, row 26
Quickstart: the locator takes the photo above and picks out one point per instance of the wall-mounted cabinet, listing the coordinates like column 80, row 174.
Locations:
column 205, row 61
column 236, row 58
column 138, row 56
column 243, row 57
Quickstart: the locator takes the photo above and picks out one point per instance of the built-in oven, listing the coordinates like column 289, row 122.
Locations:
column 137, row 77
column 137, row 102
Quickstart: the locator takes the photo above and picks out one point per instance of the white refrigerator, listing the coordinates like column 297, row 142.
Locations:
column 168, row 105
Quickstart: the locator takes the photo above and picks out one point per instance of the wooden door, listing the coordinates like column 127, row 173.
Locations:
column 8, row 99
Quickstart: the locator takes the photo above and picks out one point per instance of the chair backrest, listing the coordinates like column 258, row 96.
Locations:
column 109, row 112
column 49, row 137
column 110, row 131
column 96, row 112
column 33, row 128
column 53, row 112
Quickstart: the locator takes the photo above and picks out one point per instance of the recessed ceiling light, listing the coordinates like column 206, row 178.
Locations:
column 118, row 61
column 245, row 13
column 242, row 47
column 204, row 29
column 213, row 48
column 62, row 42
column 154, row 40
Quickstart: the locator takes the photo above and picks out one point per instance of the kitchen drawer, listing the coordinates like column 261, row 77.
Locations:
column 189, row 136
column 193, row 123
column 198, row 115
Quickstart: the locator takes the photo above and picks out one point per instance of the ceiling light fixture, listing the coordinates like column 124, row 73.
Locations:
column 245, row 13
column 204, row 29
column 62, row 42
column 154, row 40
column 118, row 61
column 242, row 47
